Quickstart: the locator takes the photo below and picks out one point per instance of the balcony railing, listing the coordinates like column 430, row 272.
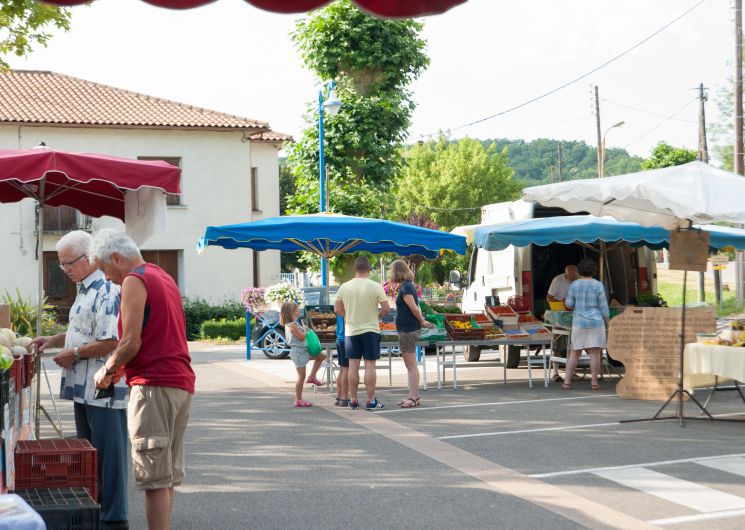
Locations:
column 64, row 219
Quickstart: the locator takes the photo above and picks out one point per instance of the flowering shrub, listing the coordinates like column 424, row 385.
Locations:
column 391, row 289
column 253, row 297
column 284, row 292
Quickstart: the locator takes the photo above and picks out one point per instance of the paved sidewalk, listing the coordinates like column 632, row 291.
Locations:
column 488, row 455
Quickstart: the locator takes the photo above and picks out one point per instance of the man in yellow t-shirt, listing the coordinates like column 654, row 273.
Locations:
column 358, row 301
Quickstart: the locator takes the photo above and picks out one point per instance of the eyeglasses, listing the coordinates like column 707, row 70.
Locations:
column 64, row 265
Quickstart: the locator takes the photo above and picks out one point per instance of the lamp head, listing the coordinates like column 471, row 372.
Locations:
column 332, row 103
column 619, row 124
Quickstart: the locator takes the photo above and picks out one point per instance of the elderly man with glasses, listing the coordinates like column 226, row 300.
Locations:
column 90, row 339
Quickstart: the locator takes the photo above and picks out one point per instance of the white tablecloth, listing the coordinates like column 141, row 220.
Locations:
column 705, row 361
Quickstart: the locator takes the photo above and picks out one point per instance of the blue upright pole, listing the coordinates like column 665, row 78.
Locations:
column 322, row 175
column 248, row 335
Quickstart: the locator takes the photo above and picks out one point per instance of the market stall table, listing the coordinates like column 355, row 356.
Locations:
column 542, row 339
column 704, row 363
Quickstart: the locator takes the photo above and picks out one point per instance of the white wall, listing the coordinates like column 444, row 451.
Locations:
column 216, row 190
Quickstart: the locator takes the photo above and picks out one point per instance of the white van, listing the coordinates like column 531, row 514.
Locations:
column 528, row 271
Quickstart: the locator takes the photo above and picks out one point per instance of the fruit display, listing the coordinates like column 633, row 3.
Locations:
column 463, row 327
column 387, row 326
column 525, row 318
column 316, row 314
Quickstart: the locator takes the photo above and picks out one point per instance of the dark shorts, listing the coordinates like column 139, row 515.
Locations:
column 341, row 354
column 363, row 346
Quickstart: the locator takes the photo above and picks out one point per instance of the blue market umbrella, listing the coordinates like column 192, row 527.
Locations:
column 328, row 235
column 589, row 229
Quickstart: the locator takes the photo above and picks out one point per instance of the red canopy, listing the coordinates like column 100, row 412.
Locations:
column 93, row 184
column 383, row 8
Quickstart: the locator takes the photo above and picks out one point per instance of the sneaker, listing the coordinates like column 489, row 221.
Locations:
column 373, row 405
column 313, row 381
column 353, row 404
column 343, row 402
column 337, row 401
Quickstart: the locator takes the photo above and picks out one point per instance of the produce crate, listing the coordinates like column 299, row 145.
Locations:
column 503, row 313
column 56, row 462
column 64, row 508
column 475, row 333
column 483, row 321
column 323, row 323
column 28, row 368
column 17, row 373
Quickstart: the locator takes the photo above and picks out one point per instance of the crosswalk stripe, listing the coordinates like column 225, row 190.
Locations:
column 734, row 465
column 689, row 494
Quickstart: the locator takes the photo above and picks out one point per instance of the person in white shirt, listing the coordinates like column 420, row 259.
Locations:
column 559, row 287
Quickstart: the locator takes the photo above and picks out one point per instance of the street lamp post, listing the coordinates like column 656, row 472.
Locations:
column 331, row 105
column 602, row 150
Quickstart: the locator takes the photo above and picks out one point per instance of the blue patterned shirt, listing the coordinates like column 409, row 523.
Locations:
column 93, row 317
column 587, row 299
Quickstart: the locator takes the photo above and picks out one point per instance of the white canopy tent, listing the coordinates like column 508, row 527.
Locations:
column 673, row 197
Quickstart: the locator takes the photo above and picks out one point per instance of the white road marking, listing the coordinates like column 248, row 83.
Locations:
column 697, row 459
column 496, row 403
column 689, row 494
column 545, row 429
column 697, row 518
column 733, row 464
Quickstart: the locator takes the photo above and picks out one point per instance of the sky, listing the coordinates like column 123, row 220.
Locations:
column 486, row 56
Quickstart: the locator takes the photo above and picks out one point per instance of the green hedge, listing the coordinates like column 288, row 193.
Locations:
column 227, row 329
column 198, row 311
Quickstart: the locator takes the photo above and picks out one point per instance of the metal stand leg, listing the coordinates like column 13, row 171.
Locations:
column 530, row 369
column 424, row 366
column 455, row 377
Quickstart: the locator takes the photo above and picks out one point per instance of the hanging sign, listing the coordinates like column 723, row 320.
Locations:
column 689, row 250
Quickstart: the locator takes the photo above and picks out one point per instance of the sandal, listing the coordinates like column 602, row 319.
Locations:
column 313, row 381
column 595, row 387
column 301, row 403
column 409, row 403
column 566, row 386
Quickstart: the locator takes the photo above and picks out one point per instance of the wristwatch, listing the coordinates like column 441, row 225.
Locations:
column 76, row 353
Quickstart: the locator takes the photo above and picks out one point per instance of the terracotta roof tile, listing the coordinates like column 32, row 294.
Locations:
column 271, row 137
column 49, row 98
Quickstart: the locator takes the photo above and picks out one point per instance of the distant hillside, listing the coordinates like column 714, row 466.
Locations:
column 533, row 161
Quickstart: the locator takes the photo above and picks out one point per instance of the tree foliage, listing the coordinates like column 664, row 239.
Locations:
column 665, row 155
column 372, row 62
column 24, row 23
column 536, row 161
column 450, row 181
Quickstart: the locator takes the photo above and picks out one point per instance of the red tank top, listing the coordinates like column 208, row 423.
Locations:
column 163, row 359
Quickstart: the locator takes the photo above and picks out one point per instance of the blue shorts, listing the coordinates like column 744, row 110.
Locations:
column 341, row 354
column 363, row 346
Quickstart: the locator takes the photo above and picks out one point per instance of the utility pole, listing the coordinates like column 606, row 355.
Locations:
column 703, row 155
column 738, row 147
column 597, row 121
column 561, row 172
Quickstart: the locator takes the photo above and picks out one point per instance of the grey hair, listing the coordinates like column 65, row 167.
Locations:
column 107, row 241
column 77, row 241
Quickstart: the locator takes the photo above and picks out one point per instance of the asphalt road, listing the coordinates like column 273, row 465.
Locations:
column 487, row 455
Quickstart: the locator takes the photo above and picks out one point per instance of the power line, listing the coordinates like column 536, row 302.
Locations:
column 647, row 112
column 668, row 118
column 573, row 81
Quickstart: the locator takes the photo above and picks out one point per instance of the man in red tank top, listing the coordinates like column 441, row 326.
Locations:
column 153, row 352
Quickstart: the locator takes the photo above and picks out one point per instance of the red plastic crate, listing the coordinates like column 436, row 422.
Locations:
column 18, row 373
column 28, row 367
column 56, row 462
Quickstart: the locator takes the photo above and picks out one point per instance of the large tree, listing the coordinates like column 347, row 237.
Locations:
column 450, row 181
column 665, row 155
column 24, row 23
column 372, row 61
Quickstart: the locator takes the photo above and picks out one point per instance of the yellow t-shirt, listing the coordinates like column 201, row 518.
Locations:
column 361, row 297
